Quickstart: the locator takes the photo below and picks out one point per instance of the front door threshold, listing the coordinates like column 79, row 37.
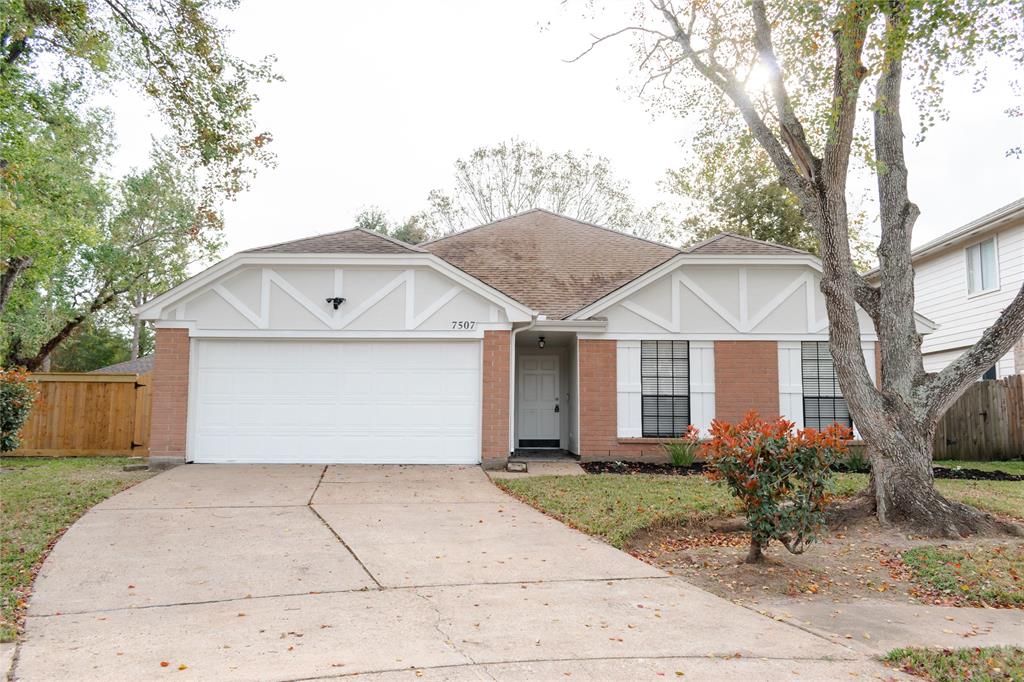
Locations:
column 543, row 455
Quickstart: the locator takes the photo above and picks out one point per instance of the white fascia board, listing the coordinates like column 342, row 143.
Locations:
column 712, row 336
column 516, row 311
column 325, row 334
column 571, row 325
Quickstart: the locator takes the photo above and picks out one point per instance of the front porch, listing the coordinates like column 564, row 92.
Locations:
column 545, row 396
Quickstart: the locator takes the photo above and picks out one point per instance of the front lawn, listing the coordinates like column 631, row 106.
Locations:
column 980, row 664
column 992, row 576
column 40, row 498
column 615, row 507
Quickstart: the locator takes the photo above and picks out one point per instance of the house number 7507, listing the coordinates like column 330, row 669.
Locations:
column 463, row 324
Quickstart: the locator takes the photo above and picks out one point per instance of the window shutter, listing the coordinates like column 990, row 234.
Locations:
column 628, row 389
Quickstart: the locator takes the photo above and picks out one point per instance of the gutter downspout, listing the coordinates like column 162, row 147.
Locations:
column 512, row 383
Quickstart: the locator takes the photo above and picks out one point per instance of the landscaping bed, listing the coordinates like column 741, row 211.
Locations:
column 41, row 498
column 949, row 471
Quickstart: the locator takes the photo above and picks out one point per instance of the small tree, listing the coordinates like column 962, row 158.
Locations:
column 781, row 478
column 17, row 394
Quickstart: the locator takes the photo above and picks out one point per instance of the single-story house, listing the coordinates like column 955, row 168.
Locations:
column 536, row 331
column 963, row 280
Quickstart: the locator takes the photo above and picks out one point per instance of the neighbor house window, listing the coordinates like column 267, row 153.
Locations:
column 982, row 274
column 824, row 403
column 665, row 388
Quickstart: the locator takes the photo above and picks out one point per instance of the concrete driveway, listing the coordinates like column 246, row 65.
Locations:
column 383, row 573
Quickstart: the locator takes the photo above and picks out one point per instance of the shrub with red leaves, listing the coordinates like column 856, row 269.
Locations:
column 781, row 477
column 17, row 393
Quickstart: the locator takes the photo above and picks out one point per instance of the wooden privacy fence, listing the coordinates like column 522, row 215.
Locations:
column 986, row 423
column 88, row 414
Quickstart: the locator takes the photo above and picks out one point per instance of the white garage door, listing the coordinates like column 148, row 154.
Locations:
column 410, row 402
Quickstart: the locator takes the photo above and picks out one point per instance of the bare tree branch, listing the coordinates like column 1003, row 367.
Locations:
column 941, row 390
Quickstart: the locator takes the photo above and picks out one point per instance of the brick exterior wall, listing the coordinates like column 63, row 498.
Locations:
column 170, row 394
column 495, row 421
column 746, row 378
column 598, row 400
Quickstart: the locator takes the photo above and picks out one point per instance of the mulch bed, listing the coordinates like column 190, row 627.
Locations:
column 630, row 468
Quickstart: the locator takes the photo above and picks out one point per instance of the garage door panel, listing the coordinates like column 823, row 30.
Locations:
column 337, row 401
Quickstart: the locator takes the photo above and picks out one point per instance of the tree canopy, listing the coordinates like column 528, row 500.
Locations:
column 511, row 177
column 75, row 242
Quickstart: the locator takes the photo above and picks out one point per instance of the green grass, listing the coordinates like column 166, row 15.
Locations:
column 983, row 664
column 614, row 507
column 978, row 576
column 997, row 497
column 1015, row 467
column 39, row 498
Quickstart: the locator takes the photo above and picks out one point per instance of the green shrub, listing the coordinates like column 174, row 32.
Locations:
column 17, row 393
column 683, row 451
column 856, row 462
column 782, row 479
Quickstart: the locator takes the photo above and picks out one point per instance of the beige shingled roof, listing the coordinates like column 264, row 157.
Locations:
column 554, row 264
column 356, row 240
column 733, row 244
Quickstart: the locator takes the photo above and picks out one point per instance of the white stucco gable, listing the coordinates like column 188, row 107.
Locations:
column 260, row 294
column 723, row 297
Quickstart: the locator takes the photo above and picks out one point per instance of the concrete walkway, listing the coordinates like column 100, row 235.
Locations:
column 382, row 573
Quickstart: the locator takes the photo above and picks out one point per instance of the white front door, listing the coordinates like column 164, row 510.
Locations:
column 392, row 402
column 539, row 411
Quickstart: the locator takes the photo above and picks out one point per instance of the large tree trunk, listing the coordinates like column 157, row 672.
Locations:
column 904, row 494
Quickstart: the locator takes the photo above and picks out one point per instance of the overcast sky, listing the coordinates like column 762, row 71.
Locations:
column 380, row 98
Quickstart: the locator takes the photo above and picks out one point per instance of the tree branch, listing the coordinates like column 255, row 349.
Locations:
column 16, row 266
column 942, row 390
column 790, row 127
column 899, row 340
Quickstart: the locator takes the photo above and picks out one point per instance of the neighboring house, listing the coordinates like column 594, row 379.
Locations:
column 532, row 331
column 143, row 365
column 964, row 279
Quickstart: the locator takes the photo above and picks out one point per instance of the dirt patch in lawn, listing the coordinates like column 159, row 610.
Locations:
column 862, row 561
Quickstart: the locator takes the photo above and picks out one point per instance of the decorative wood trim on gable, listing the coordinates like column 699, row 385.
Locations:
column 748, row 320
column 334, row 319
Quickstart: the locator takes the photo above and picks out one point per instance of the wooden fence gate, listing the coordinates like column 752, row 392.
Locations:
column 88, row 414
column 986, row 423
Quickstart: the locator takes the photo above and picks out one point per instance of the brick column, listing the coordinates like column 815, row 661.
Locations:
column 494, row 439
column 746, row 378
column 598, row 406
column 170, row 397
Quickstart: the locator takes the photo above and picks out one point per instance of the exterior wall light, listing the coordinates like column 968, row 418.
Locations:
column 540, row 342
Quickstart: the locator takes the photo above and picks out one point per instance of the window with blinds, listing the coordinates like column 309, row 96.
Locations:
column 665, row 388
column 824, row 403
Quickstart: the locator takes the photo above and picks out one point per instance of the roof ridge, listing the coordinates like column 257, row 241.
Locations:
column 727, row 233
column 393, row 240
column 557, row 215
column 477, row 227
column 385, row 237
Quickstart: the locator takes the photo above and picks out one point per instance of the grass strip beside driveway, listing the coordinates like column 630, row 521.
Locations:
column 39, row 499
column 980, row 664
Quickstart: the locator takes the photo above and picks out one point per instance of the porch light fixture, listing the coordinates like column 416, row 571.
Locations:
column 540, row 342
